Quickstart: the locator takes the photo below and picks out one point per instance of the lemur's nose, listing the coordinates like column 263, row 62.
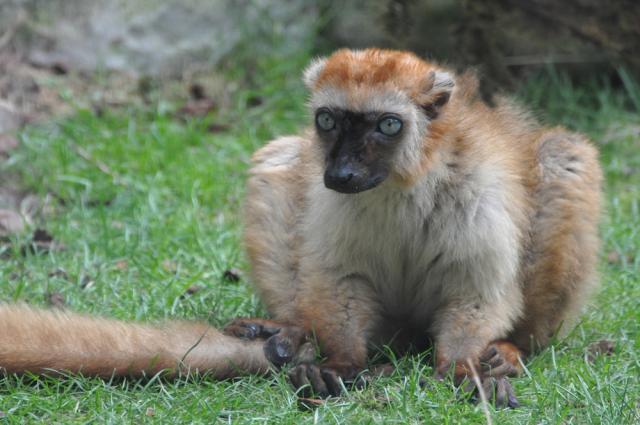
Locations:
column 340, row 176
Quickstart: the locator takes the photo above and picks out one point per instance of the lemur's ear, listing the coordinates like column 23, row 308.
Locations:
column 437, row 91
column 312, row 72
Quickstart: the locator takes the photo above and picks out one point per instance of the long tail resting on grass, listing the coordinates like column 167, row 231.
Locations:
column 51, row 342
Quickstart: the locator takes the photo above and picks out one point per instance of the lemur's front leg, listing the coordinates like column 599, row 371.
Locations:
column 469, row 336
column 335, row 313
column 338, row 313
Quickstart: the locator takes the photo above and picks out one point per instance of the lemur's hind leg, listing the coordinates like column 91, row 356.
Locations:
column 562, row 269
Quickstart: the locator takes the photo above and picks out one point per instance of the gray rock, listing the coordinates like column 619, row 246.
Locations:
column 10, row 222
column 7, row 143
column 159, row 37
column 9, row 118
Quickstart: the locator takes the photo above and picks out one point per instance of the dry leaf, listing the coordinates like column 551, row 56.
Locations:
column 55, row 299
column 59, row 272
column 169, row 266
column 192, row 289
column 122, row 265
column 218, row 128
column 310, row 403
column 603, row 347
column 197, row 108
column 614, row 257
column 10, row 222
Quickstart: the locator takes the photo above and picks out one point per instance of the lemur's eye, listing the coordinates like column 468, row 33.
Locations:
column 389, row 126
column 325, row 120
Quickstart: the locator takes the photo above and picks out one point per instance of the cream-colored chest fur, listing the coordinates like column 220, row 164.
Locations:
column 415, row 247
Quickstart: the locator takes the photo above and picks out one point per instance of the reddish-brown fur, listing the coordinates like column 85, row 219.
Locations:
column 548, row 180
column 53, row 342
column 375, row 68
column 348, row 268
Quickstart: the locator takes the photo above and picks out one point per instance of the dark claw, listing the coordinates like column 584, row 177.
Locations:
column 488, row 387
column 309, row 380
column 318, row 383
column 505, row 396
column 500, row 391
column 322, row 381
column 505, row 369
column 500, row 394
column 488, row 354
column 333, row 382
column 496, row 365
column 493, row 362
column 513, row 401
column 298, row 378
column 251, row 329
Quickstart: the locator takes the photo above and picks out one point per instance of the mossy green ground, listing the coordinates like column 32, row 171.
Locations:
column 147, row 205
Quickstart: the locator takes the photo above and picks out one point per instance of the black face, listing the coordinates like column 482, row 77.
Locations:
column 358, row 147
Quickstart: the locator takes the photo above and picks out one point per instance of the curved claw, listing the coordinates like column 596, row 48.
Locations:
column 496, row 364
column 311, row 379
column 307, row 379
column 252, row 328
column 500, row 391
column 499, row 359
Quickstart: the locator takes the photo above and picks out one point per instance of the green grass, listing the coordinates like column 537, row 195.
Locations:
column 147, row 205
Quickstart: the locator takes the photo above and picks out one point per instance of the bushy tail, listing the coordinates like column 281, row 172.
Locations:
column 43, row 341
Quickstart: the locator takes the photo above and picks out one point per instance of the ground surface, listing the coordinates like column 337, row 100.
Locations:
column 144, row 219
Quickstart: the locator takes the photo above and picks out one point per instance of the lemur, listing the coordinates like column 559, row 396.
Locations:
column 414, row 212
column 411, row 214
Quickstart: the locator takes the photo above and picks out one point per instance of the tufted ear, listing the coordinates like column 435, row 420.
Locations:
column 437, row 91
column 312, row 72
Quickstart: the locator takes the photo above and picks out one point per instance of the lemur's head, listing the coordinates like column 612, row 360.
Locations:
column 372, row 112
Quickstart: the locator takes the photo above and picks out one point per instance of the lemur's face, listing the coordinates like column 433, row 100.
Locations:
column 358, row 147
column 371, row 111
